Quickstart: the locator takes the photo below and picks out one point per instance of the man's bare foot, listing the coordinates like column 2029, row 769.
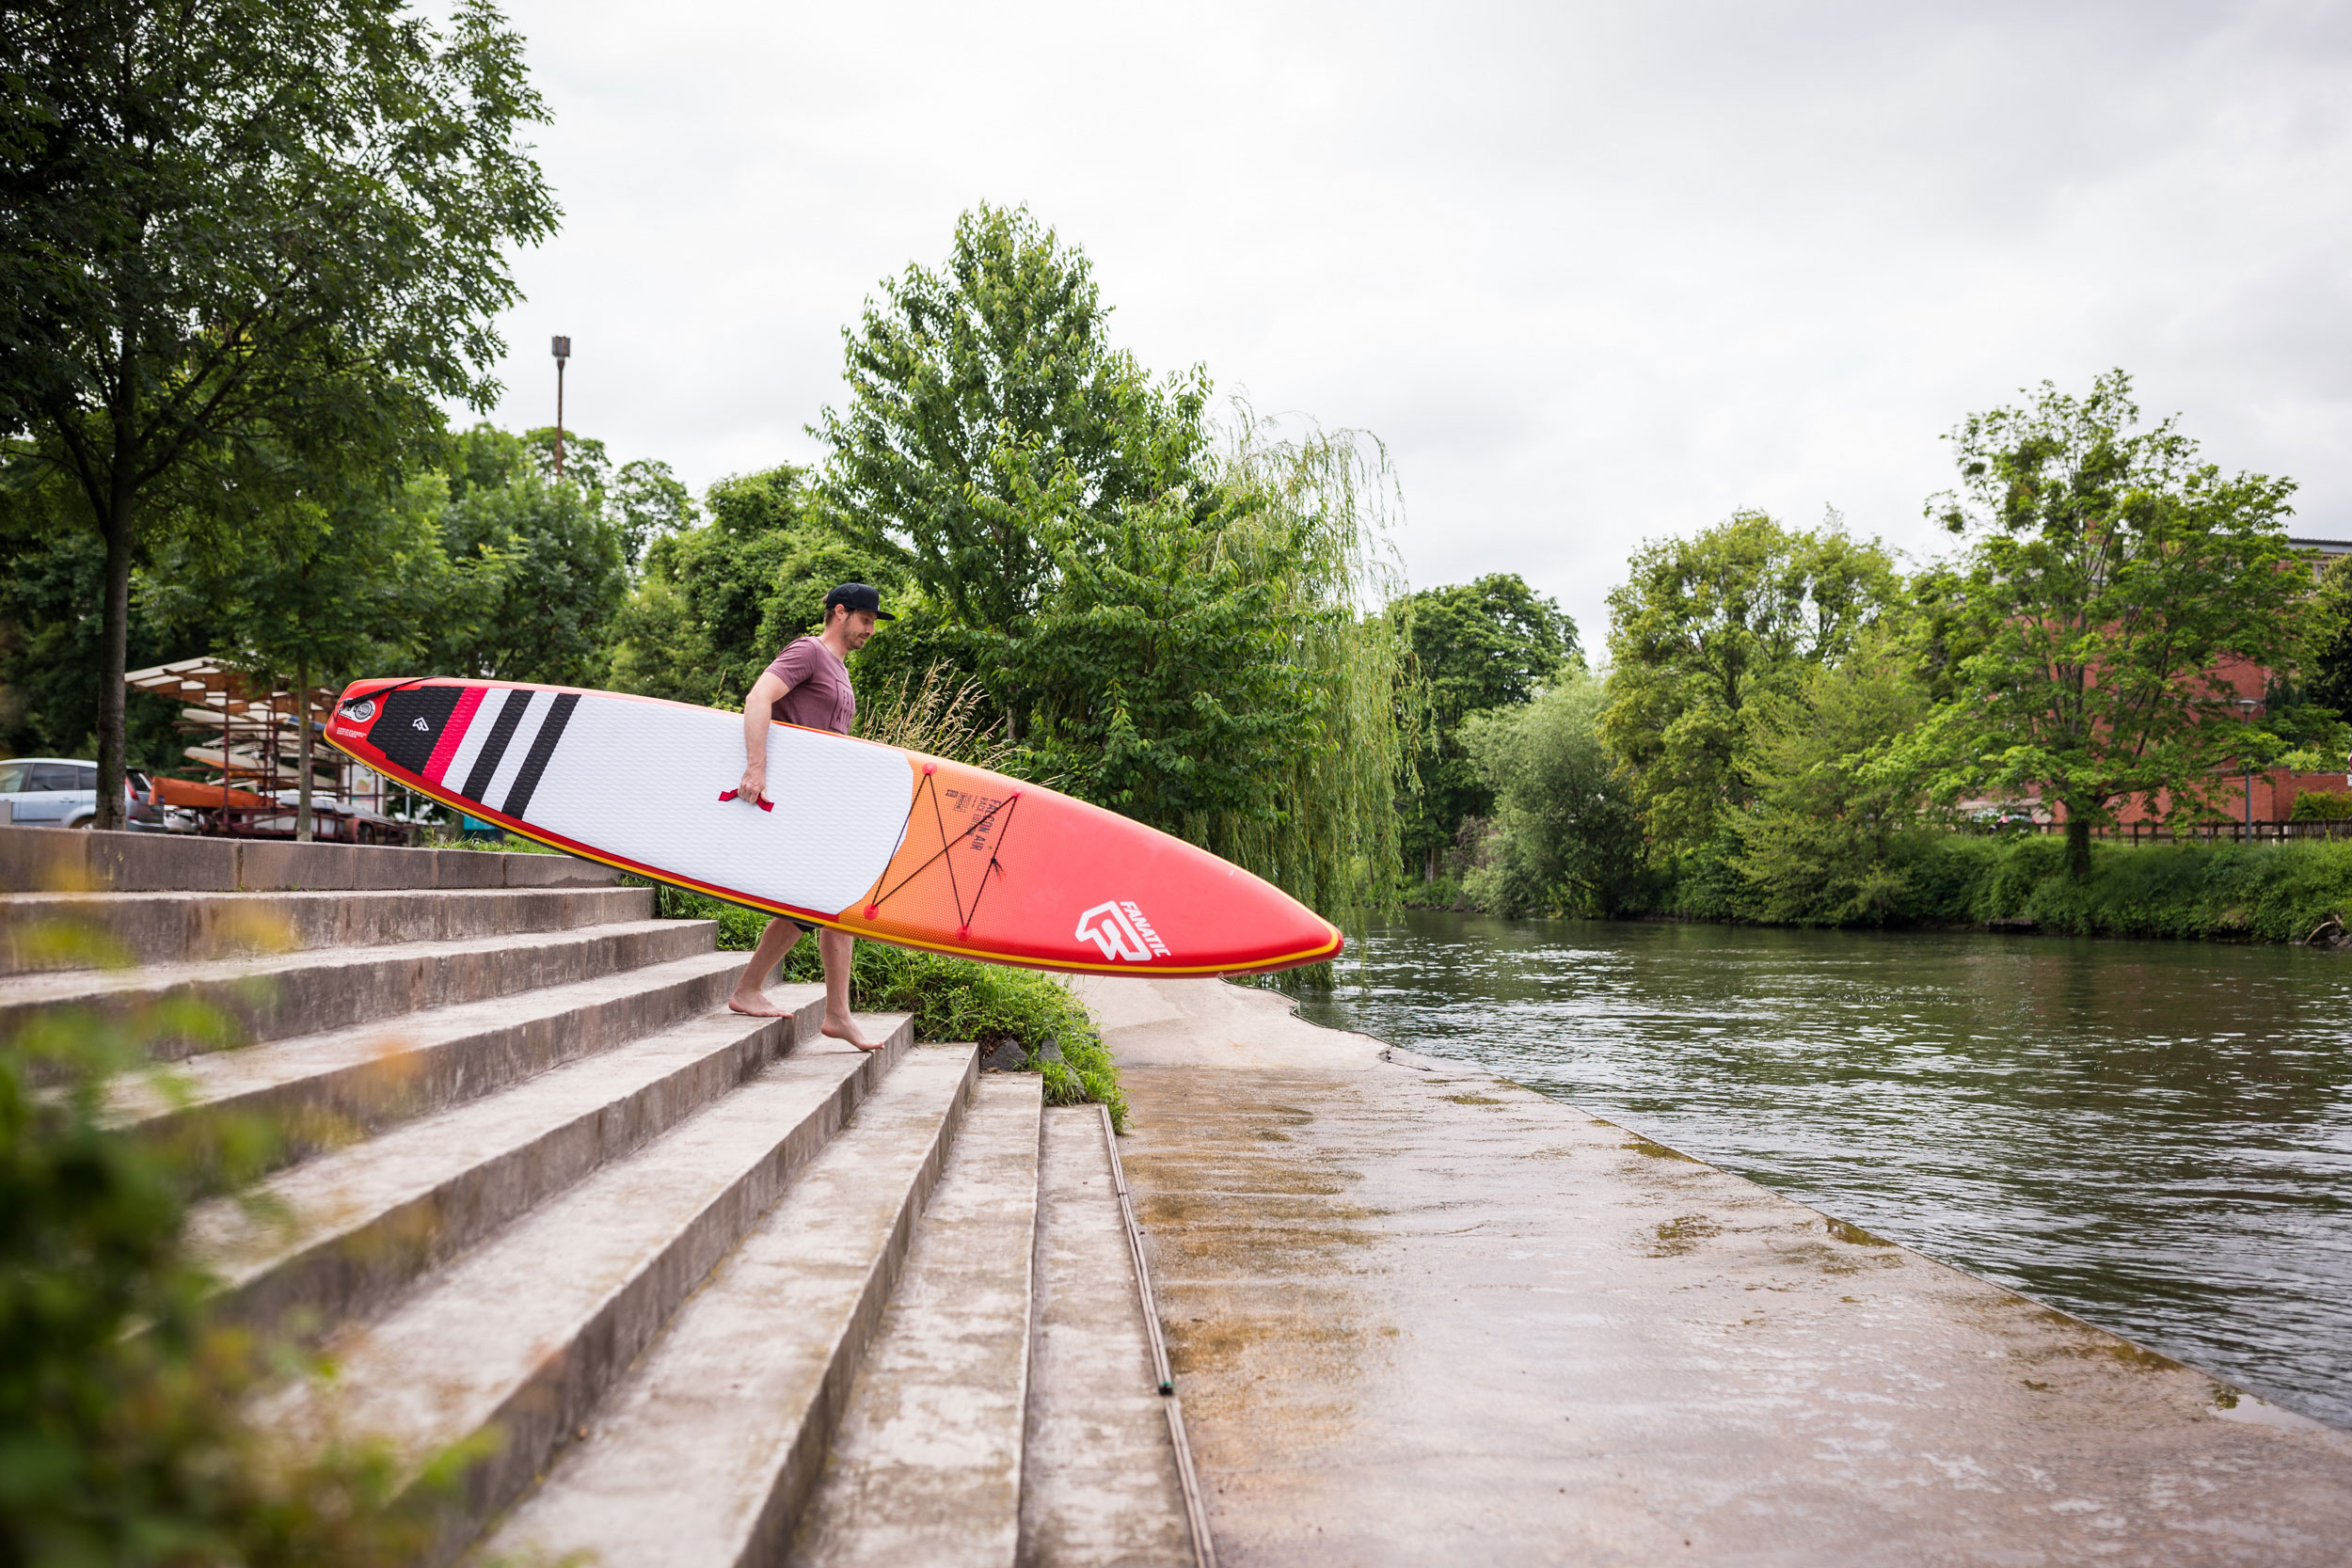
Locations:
column 845, row 1029
column 754, row 1002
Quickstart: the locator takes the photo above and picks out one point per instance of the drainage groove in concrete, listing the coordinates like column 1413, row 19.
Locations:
column 1196, row 1511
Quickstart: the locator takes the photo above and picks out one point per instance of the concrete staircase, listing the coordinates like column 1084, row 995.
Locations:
column 693, row 1288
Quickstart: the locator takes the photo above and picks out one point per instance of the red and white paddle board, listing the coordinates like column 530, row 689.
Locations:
column 876, row 841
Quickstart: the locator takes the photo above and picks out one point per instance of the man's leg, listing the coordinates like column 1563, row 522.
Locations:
column 751, row 994
column 836, row 948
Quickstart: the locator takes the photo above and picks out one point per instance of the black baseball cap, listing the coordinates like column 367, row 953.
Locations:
column 857, row 595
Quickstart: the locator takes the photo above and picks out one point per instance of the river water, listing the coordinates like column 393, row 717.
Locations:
column 2155, row 1137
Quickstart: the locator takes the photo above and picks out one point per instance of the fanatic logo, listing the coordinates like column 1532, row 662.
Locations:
column 1120, row 931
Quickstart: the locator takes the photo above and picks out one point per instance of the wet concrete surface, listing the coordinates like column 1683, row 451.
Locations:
column 1420, row 1315
column 1099, row 1482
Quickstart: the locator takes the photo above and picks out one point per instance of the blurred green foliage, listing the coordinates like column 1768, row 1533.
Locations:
column 122, row 1437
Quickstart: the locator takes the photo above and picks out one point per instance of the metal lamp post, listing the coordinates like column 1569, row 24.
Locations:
column 563, row 351
column 2245, row 763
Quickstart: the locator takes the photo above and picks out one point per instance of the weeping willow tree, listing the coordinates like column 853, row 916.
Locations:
column 1211, row 659
column 1176, row 621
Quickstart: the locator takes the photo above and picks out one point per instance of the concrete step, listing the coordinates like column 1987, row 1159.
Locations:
column 64, row 931
column 337, row 1236
column 320, row 1090
column 1099, row 1482
column 521, row 1337
column 925, row 1465
column 706, row 1453
column 61, row 860
column 337, row 987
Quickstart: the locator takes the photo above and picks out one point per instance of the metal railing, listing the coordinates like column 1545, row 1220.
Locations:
column 2199, row 832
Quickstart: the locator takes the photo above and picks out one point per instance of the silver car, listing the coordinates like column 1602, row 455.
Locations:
column 62, row 792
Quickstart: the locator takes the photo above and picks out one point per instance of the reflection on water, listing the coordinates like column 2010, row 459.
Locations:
column 2157, row 1136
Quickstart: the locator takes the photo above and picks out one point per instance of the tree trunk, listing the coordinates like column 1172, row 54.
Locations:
column 114, row 643
column 302, row 749
column 2077, row 843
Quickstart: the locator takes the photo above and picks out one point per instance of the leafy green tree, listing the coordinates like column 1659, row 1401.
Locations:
column 2327, row 621
column 649, row 503
column 1202, row 663
column 1490, row 644
column 345, row 576
column 1565, row 837
column 231, row 219
column 1157, row 673
column 1818, row 845
column 552, row 563
column 53, row 572
column 992, row 369
column 2112, row 577
column 643, row 498
column 1702, row 627
column 717, row 602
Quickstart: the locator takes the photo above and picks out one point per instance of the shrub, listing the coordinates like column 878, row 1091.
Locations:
column 2269, row 892
column 956, row 999
column 952, row 999
column 2228, row 891
column 2322, row 806
column 1446, row 893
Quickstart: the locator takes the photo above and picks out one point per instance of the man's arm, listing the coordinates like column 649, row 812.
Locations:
column 758, row 713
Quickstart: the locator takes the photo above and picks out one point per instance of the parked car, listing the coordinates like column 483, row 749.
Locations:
column 62, row 792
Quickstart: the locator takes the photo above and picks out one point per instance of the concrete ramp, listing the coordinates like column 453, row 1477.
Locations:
column 1420, row 1315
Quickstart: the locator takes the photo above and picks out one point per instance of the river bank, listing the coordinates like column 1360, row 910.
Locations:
column 1420, row 1314
column 2297, row 892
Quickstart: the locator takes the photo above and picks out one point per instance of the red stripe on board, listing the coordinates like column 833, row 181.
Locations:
column 453, row 734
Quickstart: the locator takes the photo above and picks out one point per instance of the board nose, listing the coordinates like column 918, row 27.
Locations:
column 1291, row 934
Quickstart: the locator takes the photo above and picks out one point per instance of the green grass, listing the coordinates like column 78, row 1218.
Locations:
column 952, row 999
column 507, row 845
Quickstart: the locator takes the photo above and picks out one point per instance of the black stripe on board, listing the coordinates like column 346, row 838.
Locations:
column 411, row 724
column 486, row 765
column 542, row 748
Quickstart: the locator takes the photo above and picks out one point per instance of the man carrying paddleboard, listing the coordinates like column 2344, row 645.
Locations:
column 807, row 685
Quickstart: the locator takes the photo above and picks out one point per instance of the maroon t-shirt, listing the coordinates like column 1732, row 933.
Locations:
column 819, row 698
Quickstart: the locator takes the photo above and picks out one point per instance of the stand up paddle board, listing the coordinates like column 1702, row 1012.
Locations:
column 879, row 841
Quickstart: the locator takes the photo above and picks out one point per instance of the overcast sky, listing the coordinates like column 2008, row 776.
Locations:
column 1595, row 274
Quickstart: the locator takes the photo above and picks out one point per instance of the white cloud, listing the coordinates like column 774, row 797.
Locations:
column 1594, row 273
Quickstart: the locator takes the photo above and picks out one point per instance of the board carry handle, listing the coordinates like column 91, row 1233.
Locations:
column 765, row 805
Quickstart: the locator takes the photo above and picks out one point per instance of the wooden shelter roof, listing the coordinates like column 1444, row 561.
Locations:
column 208, row 683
